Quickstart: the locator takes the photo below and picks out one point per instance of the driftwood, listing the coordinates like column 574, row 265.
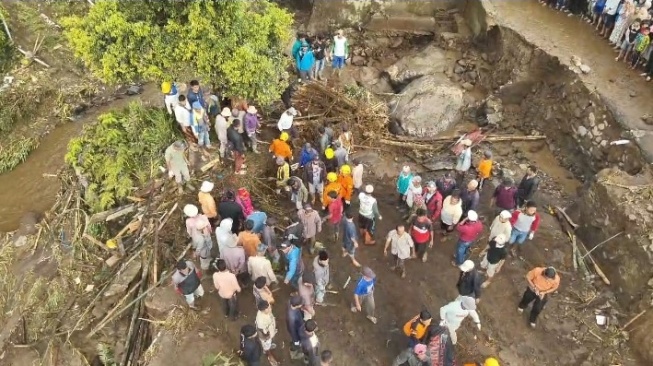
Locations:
column 210, row 164
column 566, row 217
column 104, row 215
column 631, row 321
column 594, row 264
column 95, row 241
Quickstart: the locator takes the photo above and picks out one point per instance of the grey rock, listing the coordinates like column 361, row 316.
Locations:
column 429, row 61
column 632, row 217
column 472, row 75
column 462, row 62
column 397, row 42
column 358, row 61
column 582, row 131
column 121, row 282
column 20, row 241
column 604, row 143
column 467, row 86
column 439, row 165
column 459, row 69
column 601, row 126
column 585, row 69
column 592, row 119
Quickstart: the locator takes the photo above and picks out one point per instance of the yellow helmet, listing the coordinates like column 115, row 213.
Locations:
column 332, row 177
column 345, row 169
column 491, row 362
column 329, row 153
column 284, row 136
column 166, row 87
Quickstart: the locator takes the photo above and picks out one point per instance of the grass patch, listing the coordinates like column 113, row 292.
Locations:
column 29, row 17
column 16, row 152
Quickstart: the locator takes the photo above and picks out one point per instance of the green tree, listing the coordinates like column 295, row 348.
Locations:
column 237, row 44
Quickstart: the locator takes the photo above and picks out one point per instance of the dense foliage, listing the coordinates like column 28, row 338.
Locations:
column 121, row 152
column 237, row 45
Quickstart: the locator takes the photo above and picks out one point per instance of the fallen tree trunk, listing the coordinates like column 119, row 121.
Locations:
column 490, row 138
column 112, row 214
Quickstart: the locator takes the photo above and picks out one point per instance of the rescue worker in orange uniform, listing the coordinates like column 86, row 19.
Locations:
column 280, row 147
column 332, row 186
column 346, row 183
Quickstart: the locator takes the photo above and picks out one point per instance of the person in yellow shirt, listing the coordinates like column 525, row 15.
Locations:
column 207, row 202
column 346, row 183
column 280, row 147
column 283, row 174
column 332, row 186
column 484, row 168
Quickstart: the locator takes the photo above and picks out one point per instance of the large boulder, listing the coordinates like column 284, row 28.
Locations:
column 429, row 106
column 430, row 60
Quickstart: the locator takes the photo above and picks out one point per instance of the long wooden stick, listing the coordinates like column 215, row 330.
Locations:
column 564, row 214
column 4, row 23
column 633, row 319
column 603, row 242
column 446, row 139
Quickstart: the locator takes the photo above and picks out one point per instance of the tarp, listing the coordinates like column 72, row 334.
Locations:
column 442, row 350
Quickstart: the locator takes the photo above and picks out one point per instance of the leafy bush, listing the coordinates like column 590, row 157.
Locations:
column 237, row 44
column 121, row 152
column 16, row 152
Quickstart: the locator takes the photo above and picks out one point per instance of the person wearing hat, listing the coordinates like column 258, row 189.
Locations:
column 226, row 283
column 252, row 125
column 346, row 184
column 330, row 160
column 433, row 201
column 491, row 361
column 207, row 202
column 249, row 240
column 315, row 174
column 322, row 275
column 463, row 161
column 364, row 294
column 416, row 328
column 177, row 165
column 346, row 139
column 469, row 230
column 505, row 196
column 310, row 343
column 305, row 62
column 170, row 95
column 494, row 258
column 501, row 225
column 357, row 174
column 332, row 186
column 221, row 125
column 199, row 122
column 196, row 94
column 193, row 217
column 279, row 148
column 266, row 325
column 452, row 211
column 202, row 243
column 541, row 282
column 484, row 169
column 250, row 348
column 368, row 212
column 524, row 223
column 298, row 192
column 349, row 238
column 282, row 176
column 182, row 116
column 446, row 185
column 469, row 281
column 403, row 183
column 295, row 325
column 453, row 314
column 229, row 208
column 401, row 246
column 186, row 281
column 470, row 196
column 307, row 154
column 417, row 355
column 306, row 291
column 285, row 123
column 294, row 264
column 312, row 224
column 339, row 51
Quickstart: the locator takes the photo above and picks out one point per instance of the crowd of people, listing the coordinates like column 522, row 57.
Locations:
column 625, row 24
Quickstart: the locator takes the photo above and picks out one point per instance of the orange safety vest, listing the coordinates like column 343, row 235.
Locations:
column 414, row 328
column 347, row 186
column 335, row 186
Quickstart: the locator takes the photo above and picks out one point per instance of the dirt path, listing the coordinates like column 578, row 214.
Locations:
column 564, row 36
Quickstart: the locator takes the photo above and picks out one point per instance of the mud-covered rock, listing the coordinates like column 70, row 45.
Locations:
column 160, row 301
column 430, row 60
column 429, row 105
column 121, row 282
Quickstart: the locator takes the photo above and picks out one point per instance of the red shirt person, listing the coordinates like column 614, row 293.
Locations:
column 469, row 229
column 421, row 231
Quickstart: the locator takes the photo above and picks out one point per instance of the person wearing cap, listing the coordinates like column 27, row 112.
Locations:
column 528, row 186
column 258, row 217
column 484, row 169
column 494, row 258
column 261, row 291
column 346, row 139
column 250, row 348
column 266, row 325
column 416, row 328
column 341, row 154
column 368, row 212
column 433, row 201
column 195, row 93
column 202, row 243
column 315, row 174
column 229, row 208
column 421, row 231
column 349, row 238
column 330, row 160
column 401, row 246
column 505, row 196
column 453, row 314
column 470, row 196
column 322, row 275
column 238, row 147
column 541, row 282
column 403, row 183
column 469, row 230
column 463, row 161
column 305, row 62
column 501, row 225
column 357, row 174
column 294, row 264
column 469, row 281
column 279, row 148
column 233, row 255
column 295, row 325
column 307, row 155
column 332, row 186
column 306, row 291
column 491, row 361
column 182, row 116
column 364, row 294
column 452, row 211
column 170, row 95
column 524, row 225
column 326, row 358
column 283, row 174
column 249, row 240
column 252, row 125
column 285, row 123
column 199, row 122
column 226, row 283
column 193, row 217
column 310, row 343
column 415, row 196
column 207, row 202
column 298, row 192
column 335, row 212
column 270, row 239
column 312, row 224
column 177, row 165
column 339, row 51
column 347, row 184
column 186, row 281
column 417, row 355
column 446, row 185
column 221, row 125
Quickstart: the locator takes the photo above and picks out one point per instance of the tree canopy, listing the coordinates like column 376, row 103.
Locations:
column 237, row 44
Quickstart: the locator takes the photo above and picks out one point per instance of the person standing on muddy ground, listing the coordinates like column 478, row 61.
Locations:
column 541, row 282
column 298, row 192
column 261, row 291
column 470, row 197
column 415, row 197
column 357, row 175
column 207, row 202
column 182, row 116
column 306, row 291
column 484, row 169
column 249, row 240
column 446, row 185
column 294, row 324
column 315, row 175
column 524, row 225
column 199, row 122
column 312, row 224
column 339, row 51
column 193, row 218
column 266, row 325
column 319, row 52
column 236, row 141
column 260, row 266
column 469, row 230
column 403, row 184
column 347, row 184
column 469, row 281
column 528, row 186
column 250, row 348
column 501, row 225
column 452, row 211
column 196, row 94
column 421, row 231
column 186, row 281
column 202, row 243
column 349, row 239
column 453, row 314
column 226, row 283
column 505, row 197
column 364, row 295
column 463, row 161
column 252, row 126
column 494, row 258
column 335, row 213
column 229, row 208
column 310, row 343
column 368, row 212
column 170, row 95
column 221, row 125
column 326, row 358
column 322, row 276
column 177, row 165
column 294, row 264
column 401, row 247
column 305, row 63
column 433, row 200
column 286, row 121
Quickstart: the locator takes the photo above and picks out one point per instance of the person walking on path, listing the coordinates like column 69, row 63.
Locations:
column 252, row 125
column 226, row 284
column 260, row 266
column 250, row 348
column 470, row 197
column 186, row 281
column 207, row 202
column 452, row 211
column 421, row 231
column 177, row 165
column 202, row 243
column 541, row 282
column 306, row 291
column 446, row 185
column 368, row 212
column 339, row 51
column 528, row 186
column 469, row 230
column 524, row 225
column 418, row 355
column 294, row 264
column 364, row 294
column 349, row 239
column 401, row 247
column 266, row 325
column 494, row 258
column 294, row 324
column 433, row 200
column 416, row 329
column 463, row 161
column 312, row 223
column 310, row 343
column 403, row 184
column 469, row 281
column 505, row 196
column 335, row 212
column 322, row 276
column 249, row 240
column 501, row 225
column 453, row 314
column 315, row 175
column 221, row 125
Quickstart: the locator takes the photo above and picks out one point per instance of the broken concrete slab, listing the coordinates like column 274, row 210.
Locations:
column 121, row 282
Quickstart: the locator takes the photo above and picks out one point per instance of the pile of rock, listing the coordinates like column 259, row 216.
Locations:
column 465, row 73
